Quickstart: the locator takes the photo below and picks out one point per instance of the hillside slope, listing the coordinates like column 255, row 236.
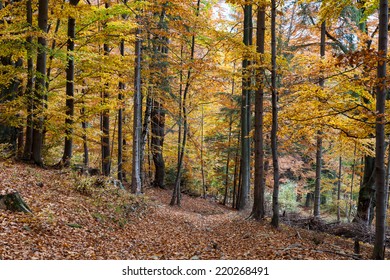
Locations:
column 75, row 218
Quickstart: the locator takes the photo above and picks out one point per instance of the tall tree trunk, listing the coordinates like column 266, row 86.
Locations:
column 40, row 85
column 106, row 159
column 317, row 190
column 29, row 87
column 68, row 149
column 136, row 184
column 120, row 119
column 161, row 79
column 380, row 148
column 245, row 112
column 258, row 211
column 274, row 130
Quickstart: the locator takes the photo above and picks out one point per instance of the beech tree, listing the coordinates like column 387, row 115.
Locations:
column 245, row 111
column 274, row 131
column 258, row 211
column 40, row 84
column 68, row 149
column 317, row 190
column 380, row 147
column 136, row 184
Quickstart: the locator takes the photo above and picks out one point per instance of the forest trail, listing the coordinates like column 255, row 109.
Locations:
column 72, row 222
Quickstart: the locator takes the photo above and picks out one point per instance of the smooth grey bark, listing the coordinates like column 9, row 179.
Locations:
column 258, row 211
column 245, row 113
column 380, row 147
column 40, row 85
column 274, row 129
column 136, row 184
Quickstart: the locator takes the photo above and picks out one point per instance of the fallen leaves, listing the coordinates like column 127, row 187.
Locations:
column 111, row 224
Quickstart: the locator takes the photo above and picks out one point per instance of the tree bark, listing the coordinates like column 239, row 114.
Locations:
column 120, row 119
column 40, row 85
column 258, row 211
column 339, row 191
column 158, row 131
column 274, row 130
column 136, row 184
column 366, row 193
column 68, row 147
column 105, row 122
column 245, row 112
column 29, row 87
column 380, row 148
column 317, row 190
column 228, row 155
column 176, row 194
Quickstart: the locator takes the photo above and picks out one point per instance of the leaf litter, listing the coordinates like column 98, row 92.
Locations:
column 109, row 223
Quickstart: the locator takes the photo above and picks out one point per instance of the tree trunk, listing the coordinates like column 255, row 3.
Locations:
column 145, row 133
column 274, row 130
column 84, row 136
column 228, row 155
column 236, row 175
column 29, row 88
column 136, row 184
column 380, row 149
column 258, row 211
column 40, row 85
column 352, row 183
column 204, row 188
column 339, row 191
column 245, row 112
column 68, row 149
column 158, row 131
column 366, row 193
column 120, row 120
column 176, row 194
column 317, row 190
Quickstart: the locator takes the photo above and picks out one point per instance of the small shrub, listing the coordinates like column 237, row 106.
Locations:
column 288, row 197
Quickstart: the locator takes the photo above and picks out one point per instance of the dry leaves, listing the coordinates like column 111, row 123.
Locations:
column 112, row 224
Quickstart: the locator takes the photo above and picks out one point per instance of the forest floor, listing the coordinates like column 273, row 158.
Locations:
column 74, row 218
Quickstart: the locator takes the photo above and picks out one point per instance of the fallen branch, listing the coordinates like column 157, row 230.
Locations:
column 337, row 253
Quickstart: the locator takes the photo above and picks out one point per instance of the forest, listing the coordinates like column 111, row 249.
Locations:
column 194, row 129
